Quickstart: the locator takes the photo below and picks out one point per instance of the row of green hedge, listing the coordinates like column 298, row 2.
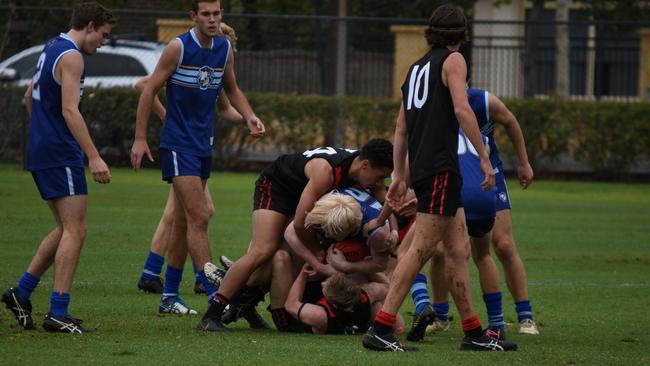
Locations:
column 606, row 136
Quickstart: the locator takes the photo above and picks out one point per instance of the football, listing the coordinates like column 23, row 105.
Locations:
column 353, row 250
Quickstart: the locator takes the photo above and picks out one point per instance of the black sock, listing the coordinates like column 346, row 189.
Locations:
column 474, row 333
column 381, row 328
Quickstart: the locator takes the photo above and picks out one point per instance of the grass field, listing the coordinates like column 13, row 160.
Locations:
column 586, row 247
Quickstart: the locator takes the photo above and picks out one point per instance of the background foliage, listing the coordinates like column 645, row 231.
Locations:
column 608, row 137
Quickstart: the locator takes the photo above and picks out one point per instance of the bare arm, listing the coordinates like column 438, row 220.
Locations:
column 238, row 99
column 69, row 70
column 310, row 314
column 158, row 107
column 399, row 183
column 307, row 254
column 164, row 69
column 319, row 173
column 454, row 74
column 502, row 115
column 27, row 99
column 227, row 112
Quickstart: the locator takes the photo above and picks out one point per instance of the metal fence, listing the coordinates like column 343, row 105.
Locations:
column 297, row 54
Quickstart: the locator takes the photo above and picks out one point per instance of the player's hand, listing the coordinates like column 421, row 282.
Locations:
column 255, row 126
column 393, row 239
column 308, row 270
column 525, row 175
column 337, row 259
column 99, row 170
column 396, row 193
column 326, row 270
column 488, row 173
column 409, row 204
column 139, row 149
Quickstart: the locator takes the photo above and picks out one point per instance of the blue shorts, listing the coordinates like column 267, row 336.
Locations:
column 503, row 198
column 60, row 182
column 175, row 164
column 478, row 228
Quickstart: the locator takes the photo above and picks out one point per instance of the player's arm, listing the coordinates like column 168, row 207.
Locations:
column 454, row 73
column 226, row 111
column 27, row 99
column 307, row 254
column 502, row 115
column 238, row 99
column 69, row 71
column 399, row 183
column 319, row 173
column 158, row 107
column 164, row 69
column 309, row 314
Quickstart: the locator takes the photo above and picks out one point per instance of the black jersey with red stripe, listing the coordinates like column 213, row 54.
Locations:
column 430, row 119
column 289, row 170
column 348, row 322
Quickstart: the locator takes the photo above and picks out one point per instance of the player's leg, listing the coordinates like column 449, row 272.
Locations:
column 267, row 231
column 17, row 299
column 71, row 211
column 429, row 229
column 489, row 279
column 514, row 271
column 440, row 290
column 457, row 249
column 199, row 275
column 424, row 314
column 150, row 278
column 170, row 301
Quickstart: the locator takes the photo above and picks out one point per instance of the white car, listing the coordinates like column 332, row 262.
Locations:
column 117, row 64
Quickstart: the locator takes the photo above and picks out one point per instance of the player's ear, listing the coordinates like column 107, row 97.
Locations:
column 90, row 27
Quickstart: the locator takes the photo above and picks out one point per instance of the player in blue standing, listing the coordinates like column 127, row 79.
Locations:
column 489, row 110
column 194, row 67
column 58, row 139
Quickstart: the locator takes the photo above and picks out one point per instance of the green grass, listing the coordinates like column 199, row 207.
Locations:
column 586, row 247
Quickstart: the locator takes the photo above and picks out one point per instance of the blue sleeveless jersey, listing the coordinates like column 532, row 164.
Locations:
column 192, row 92
column 50, row 142
column 370, row 209
column 478, row 100
column 478, row 204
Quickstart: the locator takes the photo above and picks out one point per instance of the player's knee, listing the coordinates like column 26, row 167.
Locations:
column 261, row 255
column 281, row 258
column 505, row 250
column 77, row 231
column 199, row 219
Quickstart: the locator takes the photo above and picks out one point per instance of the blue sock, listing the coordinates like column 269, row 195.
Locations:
column 153, row 266
column 419, row 293
column 524, row 310
column 443, row 310
column 26, row 285
column 210, row 290
column 494, row 310
column 59, row 304
column 173, row 277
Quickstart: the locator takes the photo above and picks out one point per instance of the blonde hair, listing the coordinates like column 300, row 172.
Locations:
column 341, row 291
column 335, row 213
column 229, row 32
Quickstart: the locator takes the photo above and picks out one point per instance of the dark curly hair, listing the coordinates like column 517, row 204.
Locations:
column 379, row 152
column 447, row 27
column 93, row 11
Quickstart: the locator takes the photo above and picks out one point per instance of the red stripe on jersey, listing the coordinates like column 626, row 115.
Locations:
column 268, row 203
column 327, row 306
column 444, row 190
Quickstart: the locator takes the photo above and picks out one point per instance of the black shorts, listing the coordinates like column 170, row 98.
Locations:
column 439, row 194
column 273, row 196
column 478, row 228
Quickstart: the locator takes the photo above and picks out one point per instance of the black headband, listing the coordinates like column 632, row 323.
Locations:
column 440, row 29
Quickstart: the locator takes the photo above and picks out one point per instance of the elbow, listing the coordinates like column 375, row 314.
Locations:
column 291, row 307
column 69, row 112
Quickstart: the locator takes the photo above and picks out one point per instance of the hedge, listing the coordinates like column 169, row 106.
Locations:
column 608, row 137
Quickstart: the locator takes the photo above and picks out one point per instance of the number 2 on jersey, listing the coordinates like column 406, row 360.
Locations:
column 36, row 92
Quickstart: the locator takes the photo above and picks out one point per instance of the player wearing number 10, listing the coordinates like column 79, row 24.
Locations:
column 290, row 186
column 58, row 137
